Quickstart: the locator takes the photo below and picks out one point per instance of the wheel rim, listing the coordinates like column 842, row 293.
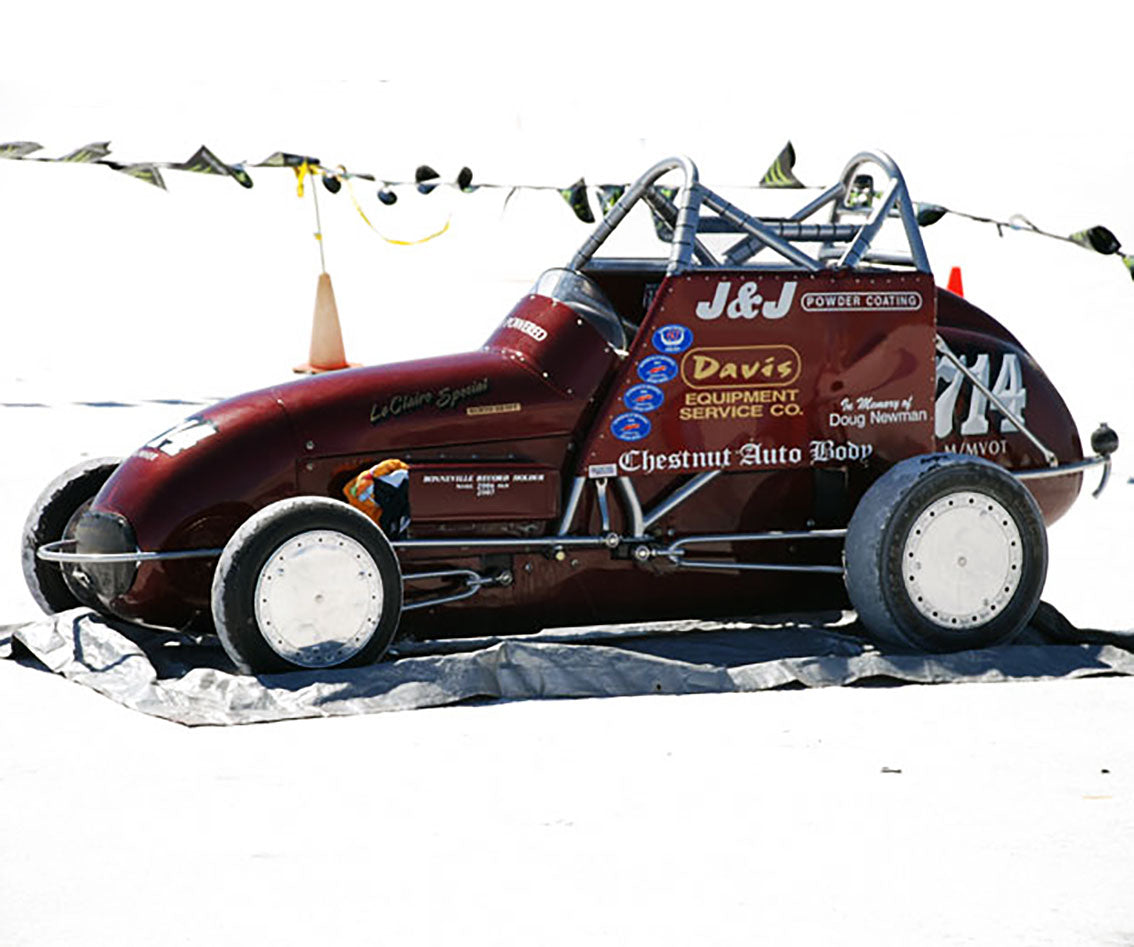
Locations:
column 319, row 598
column 962, row 560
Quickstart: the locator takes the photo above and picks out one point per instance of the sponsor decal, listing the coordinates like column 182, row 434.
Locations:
column 740, row 404
column 747, row 304
column 444, row 398
column 991, row 448
column 630, row 426
column 752, row 454
column 657, row 369
column 531, row 329
column 741, row 366
column 673, row 339
column 482, row 484
column 185, row 435
column 510, row 408
column 867, row 410
column 1009, row 388
column 898, row 301
column 597, row 471
column 643, row 398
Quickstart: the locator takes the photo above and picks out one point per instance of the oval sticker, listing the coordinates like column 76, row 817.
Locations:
column 657, row 369
column 630, row 426
column 643, row 398
column 673, row 339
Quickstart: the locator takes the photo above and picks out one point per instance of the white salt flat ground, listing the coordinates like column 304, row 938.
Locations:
column 708, row 819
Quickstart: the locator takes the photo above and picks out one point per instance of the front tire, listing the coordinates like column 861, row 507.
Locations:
column 946, row 553
column 54, row 516
column 307, row 582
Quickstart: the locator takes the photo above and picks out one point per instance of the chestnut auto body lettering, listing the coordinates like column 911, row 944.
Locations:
column 446, row 397
column 752, row 454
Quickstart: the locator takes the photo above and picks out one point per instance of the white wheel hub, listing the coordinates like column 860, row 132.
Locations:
column 962, row 560
column 318, row 598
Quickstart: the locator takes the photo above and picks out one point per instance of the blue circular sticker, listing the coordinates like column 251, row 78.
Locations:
column 673, row 339
column 643, row 398
column 630, row 426
column 657, row 369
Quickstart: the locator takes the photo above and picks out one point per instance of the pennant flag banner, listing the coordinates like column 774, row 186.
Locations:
column 780, row 174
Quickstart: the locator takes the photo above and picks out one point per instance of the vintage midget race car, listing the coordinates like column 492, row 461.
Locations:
column 779, row 415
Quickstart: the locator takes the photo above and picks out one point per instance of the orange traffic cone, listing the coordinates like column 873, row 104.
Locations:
column 955, row 284
column 327, row 353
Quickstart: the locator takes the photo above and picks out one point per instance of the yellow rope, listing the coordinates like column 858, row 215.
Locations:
column 400, row 243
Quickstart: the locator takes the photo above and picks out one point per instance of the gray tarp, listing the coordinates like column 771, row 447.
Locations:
column 190, row 680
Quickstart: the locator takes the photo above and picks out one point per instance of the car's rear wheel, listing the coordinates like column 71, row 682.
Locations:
column 307, row 582
column 53, row 517
column 946, row 553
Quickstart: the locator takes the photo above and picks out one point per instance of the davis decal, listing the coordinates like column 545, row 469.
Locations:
column 672, row 339
column 630, row 426
column 643, row 398
column 1009, row 388
column 657, row 369
column 741, row 366
column 906, row 301
column 747, row 304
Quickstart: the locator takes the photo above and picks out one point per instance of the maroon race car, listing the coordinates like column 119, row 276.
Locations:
column 778, row 416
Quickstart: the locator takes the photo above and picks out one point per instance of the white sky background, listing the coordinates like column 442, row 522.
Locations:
column 114, row 289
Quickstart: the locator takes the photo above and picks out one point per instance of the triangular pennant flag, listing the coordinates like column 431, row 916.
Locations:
column 576, row 197
column 608, row 195
column 1129, row 261
column 464, row 180
column 18, row 149
column 929, row 214
column 1098, row 239
column 387, row 197
column 781, row 172
column 332, row 183
column 88, row 153
column 663, row 230
column 203, row 161
column 285, row 159
column 143, row 172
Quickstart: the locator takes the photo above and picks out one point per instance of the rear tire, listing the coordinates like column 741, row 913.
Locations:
column 306, row 583
column 56, row 587
column 946, row 553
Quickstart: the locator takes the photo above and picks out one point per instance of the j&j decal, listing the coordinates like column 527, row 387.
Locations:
column 630, row 426
column 747, row 304
column 673, row 339
column 643, row 398
column 657, row 369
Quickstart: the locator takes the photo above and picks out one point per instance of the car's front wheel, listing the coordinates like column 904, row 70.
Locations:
column 946, row 553
column 307, row 582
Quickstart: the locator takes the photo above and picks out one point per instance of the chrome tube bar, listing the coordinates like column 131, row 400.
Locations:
column 633, row 507
column 685, row 229
column 572, row 505
column 757, row 566
column 1075, row 466
column 944, row 349
column 747, row 248
column 54, row 552
column 603, row 504
column 758, row 230
column 679, row 496
column 664, row 208
column 471, row 542
column 853, row 254
column 473, row 584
